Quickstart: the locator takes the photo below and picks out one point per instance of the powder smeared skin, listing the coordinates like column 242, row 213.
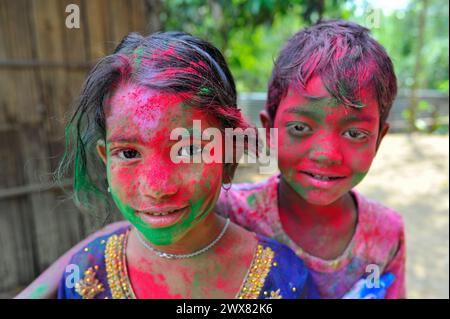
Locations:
column 156, row 287
column 358, row 177
column 204, row 277
column 39, row 291
column 324, row 144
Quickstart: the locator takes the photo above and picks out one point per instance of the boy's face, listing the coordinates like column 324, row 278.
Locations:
column 162, row 199
column 325, row 148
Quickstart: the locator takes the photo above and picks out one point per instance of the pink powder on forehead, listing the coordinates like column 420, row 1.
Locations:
column 149, row 110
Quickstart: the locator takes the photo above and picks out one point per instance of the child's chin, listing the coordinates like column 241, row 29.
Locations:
column 321, row 198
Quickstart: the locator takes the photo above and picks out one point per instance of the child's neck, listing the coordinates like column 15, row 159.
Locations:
column 291, row 202
column 323, row 231
column 228, row 262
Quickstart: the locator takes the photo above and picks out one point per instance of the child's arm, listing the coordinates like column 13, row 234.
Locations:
column 46, row 285
column 397, row 266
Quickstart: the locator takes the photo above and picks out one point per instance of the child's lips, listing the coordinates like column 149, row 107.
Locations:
column 322, row 179
column 323, row 175
column 162, row 218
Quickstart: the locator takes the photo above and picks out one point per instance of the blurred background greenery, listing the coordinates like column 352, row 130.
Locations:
column 251, row 33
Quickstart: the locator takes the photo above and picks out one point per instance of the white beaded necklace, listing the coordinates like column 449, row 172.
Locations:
column 182, row 256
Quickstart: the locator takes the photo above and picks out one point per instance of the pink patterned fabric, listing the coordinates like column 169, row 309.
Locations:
column 378, row 239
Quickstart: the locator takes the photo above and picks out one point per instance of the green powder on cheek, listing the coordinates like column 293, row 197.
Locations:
column 357, row 178
column 297, row 187
column 301, row 190
column 166, row 235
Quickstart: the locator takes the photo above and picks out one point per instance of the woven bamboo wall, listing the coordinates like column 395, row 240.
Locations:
column 42, row 66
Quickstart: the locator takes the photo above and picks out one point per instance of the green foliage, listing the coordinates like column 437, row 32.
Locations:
column 398, row 31
column 250, row 33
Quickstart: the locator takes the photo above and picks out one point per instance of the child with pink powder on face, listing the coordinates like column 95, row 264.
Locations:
column 329, row 96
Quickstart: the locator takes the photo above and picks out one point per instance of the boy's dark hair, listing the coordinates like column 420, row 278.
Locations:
column 172, row 62
column 346, row 58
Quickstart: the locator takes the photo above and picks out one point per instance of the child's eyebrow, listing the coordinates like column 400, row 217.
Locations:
column 315, row 98
column 194, row 133
column 305, row 112
column 123, row 139
column 357, row 118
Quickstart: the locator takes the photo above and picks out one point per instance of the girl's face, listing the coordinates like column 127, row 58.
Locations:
column 163, row 200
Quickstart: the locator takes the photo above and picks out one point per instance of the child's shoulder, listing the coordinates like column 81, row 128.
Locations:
column 381, row 230
column 378, row 216
column 86, row 275
column 94, row 251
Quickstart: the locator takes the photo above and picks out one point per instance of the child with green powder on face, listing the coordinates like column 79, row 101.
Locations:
column 329, row 97
column 173, row 245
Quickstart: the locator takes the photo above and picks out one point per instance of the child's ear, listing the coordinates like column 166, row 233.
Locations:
column 383, row 133
column 266, row 122
column 101, row 150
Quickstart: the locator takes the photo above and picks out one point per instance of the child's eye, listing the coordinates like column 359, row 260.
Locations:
column 189, row 150
column 128, row 154
column 355, row 134
column 298, row 128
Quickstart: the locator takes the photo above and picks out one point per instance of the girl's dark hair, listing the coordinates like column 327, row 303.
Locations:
column 172, row 62
column 347, row 59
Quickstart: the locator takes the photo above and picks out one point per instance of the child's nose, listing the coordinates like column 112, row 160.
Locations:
column 326, row 153
column 159, row 193
column 158, row 181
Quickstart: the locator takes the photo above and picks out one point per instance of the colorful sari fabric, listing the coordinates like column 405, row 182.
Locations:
column 275, row 272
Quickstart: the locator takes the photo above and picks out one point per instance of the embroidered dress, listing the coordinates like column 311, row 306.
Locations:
column 275, row 272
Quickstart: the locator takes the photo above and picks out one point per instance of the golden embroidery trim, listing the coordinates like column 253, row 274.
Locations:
column 117, row 274
column 260, row 268
column 116, row 268
column 89, row 286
